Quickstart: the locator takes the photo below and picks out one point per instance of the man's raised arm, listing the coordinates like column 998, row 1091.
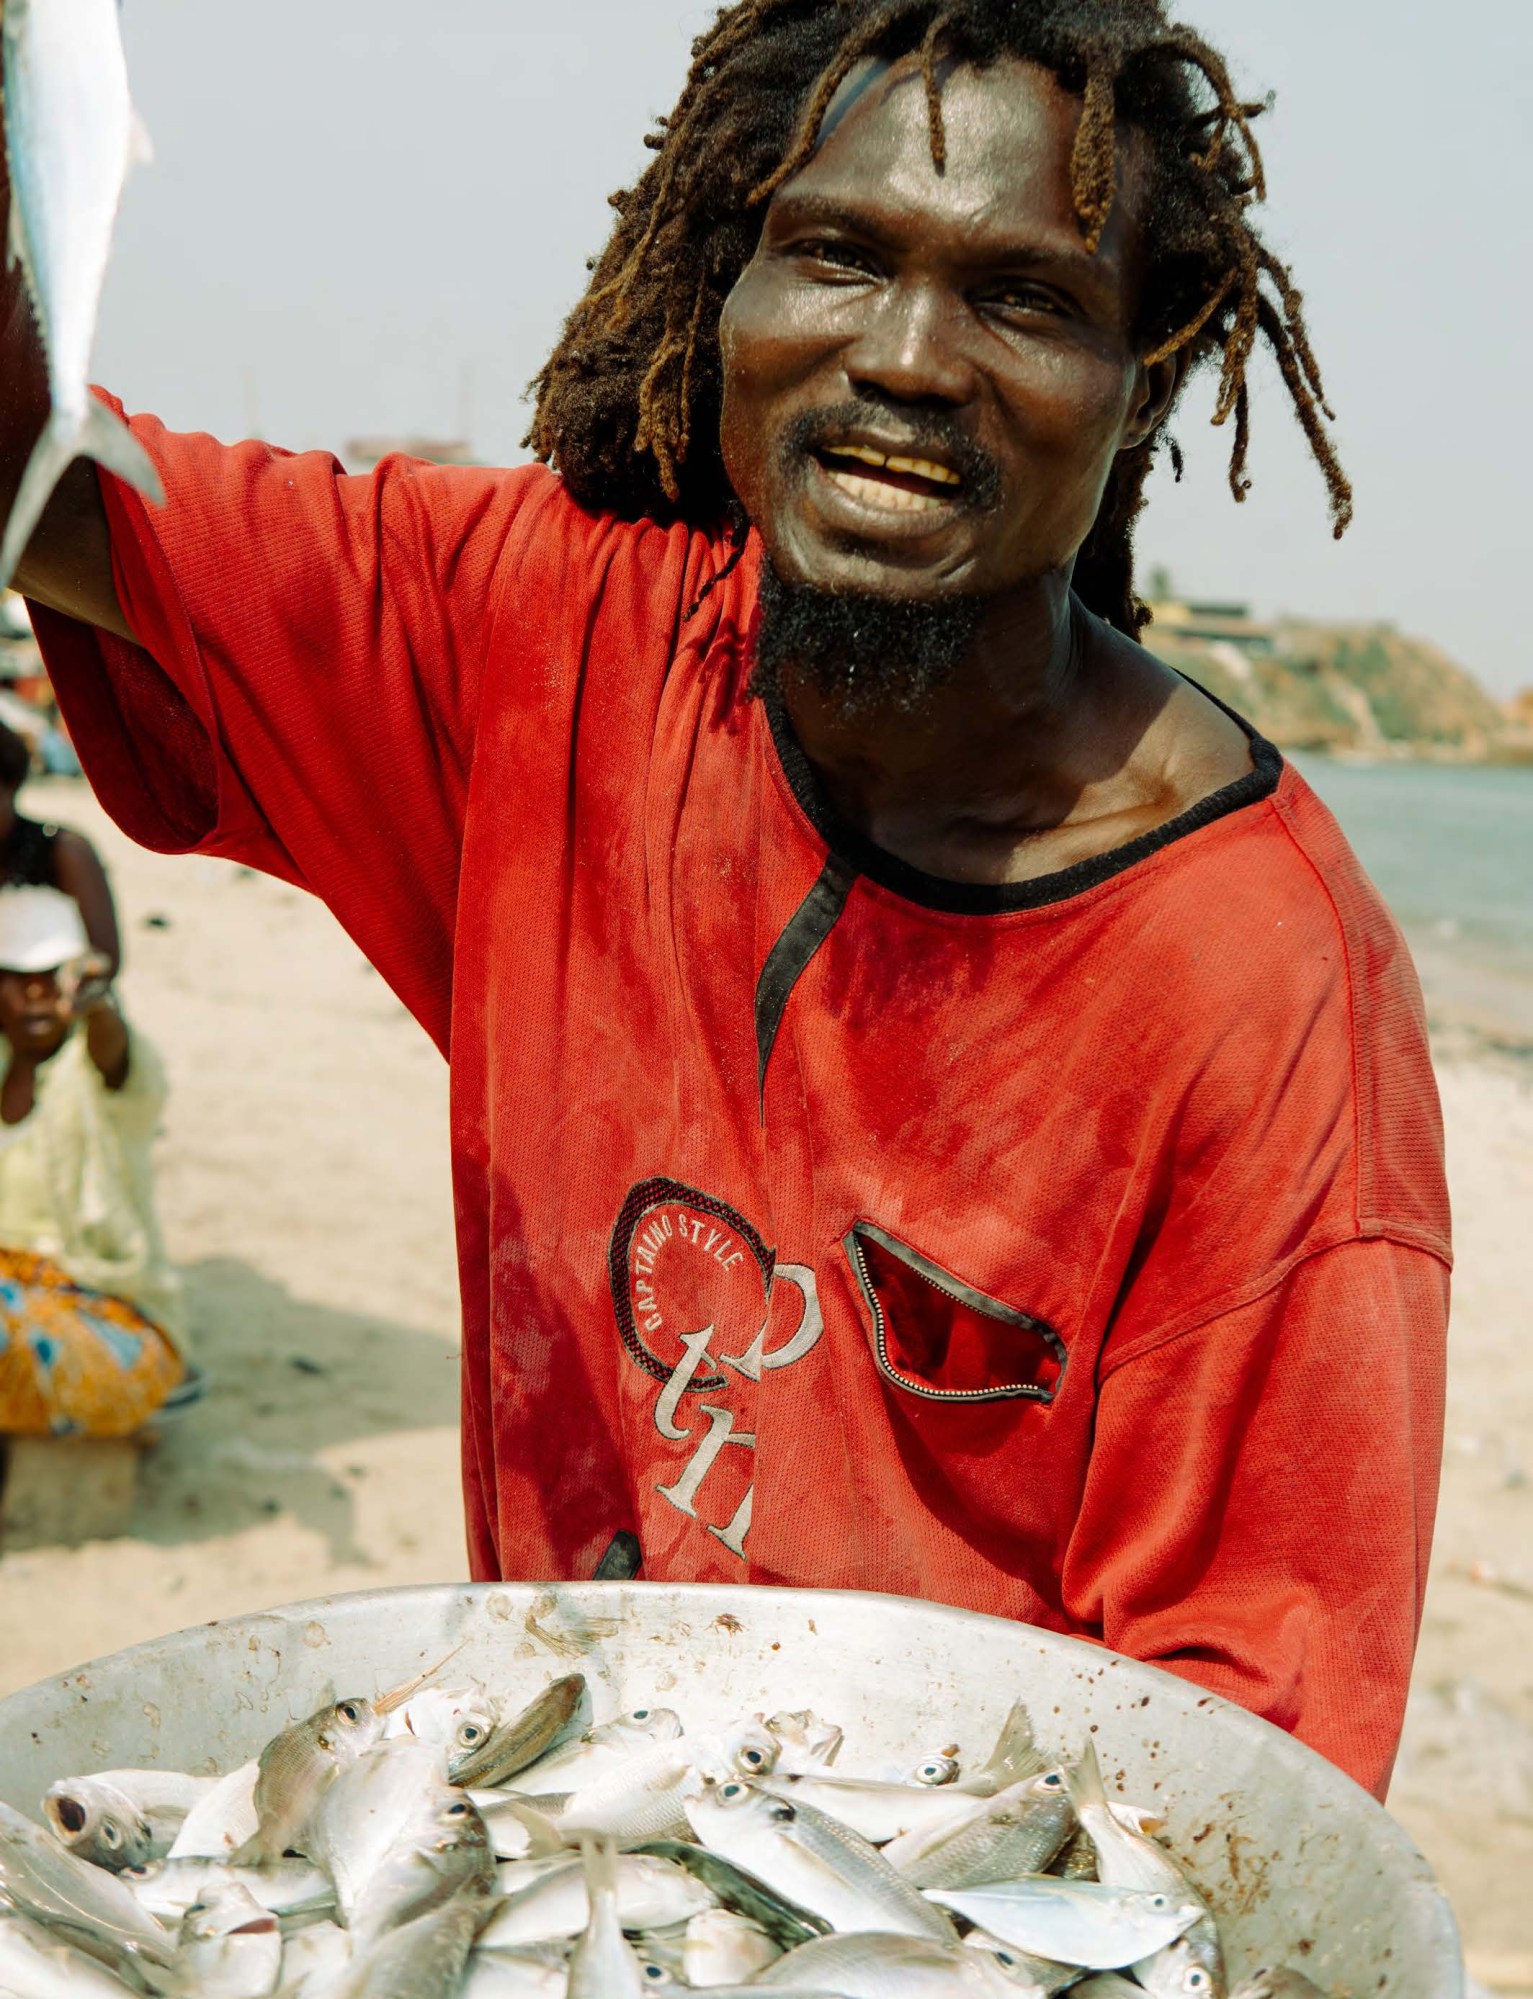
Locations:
column 68, row 565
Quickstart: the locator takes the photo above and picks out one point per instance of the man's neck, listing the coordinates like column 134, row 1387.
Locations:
column 1042, row 728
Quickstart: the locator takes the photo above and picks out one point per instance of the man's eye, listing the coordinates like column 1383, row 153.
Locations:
column 1025, row 298
column 840, row 256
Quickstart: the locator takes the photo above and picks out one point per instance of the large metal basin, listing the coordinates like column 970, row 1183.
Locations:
column 1302, row 1866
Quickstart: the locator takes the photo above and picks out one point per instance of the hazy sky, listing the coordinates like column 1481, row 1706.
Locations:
column 370, row 215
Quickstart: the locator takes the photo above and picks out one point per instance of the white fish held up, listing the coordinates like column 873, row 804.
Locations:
column 71, row 135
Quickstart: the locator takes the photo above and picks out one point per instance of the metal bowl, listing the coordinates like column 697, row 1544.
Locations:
column 1301, row 1866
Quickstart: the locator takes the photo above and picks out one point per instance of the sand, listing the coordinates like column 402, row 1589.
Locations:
column 304, row 1190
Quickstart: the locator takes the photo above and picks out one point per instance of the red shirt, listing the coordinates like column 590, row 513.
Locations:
column 1075, row 1251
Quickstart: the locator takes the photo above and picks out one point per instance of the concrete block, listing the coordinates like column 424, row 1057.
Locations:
column 60, row 1491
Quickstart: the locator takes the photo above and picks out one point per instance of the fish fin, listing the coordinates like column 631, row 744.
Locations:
column 1083, row 1781
column 599, row 1858
column 52, row 455
column 397, row 1696
column 543, row 1835
column 108, row 440
column 1015, row 1757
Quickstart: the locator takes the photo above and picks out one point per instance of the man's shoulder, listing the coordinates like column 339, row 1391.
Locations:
column 1315, row 1006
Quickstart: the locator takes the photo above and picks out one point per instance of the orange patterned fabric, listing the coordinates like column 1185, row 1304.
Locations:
column 75, row 1363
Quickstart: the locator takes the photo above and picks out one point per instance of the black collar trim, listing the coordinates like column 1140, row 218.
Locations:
column 998, row 899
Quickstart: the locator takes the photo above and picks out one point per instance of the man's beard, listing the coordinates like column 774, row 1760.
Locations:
column 866, row 654
column 871, row 654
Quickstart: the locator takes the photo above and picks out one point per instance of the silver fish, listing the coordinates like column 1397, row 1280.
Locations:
column 35, row 1965
column 230, row 1947
column 1106, row 1985
column 602, row 1964
column 398, row 1839
column 812, row 1860
column 313, row 1961
column 168, row 1888
column 1126, row 1858
column 222, row 1819
column 561, row 1711
column 643, row 1797
column 1018, row 1831
column 721, row 1948
column 1074, row 1922
column 600, row 1750
column 84, row 1904
column 423, row 1959
column 70, row 137
column 297, row 1768
column 122, row 1818
column 880, row 1812
column 808, row 1743
column 873, row 1966
column 651, row 1894
column 1190, row 1968
column 514, row 1975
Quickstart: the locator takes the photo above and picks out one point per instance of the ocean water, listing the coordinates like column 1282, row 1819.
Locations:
column 1450, row 847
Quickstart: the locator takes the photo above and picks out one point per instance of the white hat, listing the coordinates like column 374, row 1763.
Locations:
column 40, row 929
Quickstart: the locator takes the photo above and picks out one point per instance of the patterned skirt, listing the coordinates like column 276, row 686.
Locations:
column 76, row 1363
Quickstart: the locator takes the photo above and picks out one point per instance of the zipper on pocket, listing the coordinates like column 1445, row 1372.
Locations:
column 942, row 1281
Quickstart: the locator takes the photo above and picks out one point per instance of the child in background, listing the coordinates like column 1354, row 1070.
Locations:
column 90, row 1319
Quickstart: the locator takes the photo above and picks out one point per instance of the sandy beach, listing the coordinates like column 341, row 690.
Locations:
column 304, row 1191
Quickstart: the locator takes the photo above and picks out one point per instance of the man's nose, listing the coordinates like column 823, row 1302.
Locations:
column 910, row 347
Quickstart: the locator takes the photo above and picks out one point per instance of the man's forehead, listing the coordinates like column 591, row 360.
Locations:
column 1009, row 131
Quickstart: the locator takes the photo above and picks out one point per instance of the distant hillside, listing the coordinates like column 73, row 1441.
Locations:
column 1337, row 687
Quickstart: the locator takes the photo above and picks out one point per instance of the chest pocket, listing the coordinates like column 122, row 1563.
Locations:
column 937, row 1337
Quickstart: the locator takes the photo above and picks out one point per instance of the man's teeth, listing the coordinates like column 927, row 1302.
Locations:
column 878, row 493
column 914, row 468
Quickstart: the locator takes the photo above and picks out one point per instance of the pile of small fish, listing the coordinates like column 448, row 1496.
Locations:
column 435, row 1843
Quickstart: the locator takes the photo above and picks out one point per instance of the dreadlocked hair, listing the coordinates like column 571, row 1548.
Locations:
column 628, row 404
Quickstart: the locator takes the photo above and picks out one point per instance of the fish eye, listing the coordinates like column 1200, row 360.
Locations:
column 733, row 1791
column 470, row 1733
column 931, row 1770
column 1005, row 1957
column 655, row 1974
column 641, row 1714
column 111, row 1833
column 1160, row 1902
column 349, row 1710
column 1053, row 1781
column 1197, row 1980
column 752, row 1756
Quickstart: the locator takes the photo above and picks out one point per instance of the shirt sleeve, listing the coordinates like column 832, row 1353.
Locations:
column 304, row 693
column 1261, row 1494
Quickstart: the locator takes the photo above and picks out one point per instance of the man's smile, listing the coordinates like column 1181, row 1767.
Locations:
column 895, row 481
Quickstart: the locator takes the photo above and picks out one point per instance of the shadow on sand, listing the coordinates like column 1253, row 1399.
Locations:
column 288, row 1379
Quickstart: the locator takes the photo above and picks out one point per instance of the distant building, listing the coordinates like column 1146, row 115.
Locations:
column 1214, row 624
column 363, row 453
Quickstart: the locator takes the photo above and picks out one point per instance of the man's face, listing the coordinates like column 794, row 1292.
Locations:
column 33, row 1017
column 951, row 324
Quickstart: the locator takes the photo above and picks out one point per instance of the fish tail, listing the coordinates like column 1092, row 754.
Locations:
column 599, row 1857
column 99, row 435
column 1083, row 1781
column 542, row 1834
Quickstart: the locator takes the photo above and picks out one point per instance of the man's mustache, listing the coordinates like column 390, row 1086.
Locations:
column 922, row 431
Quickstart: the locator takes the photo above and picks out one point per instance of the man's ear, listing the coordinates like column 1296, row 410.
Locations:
column 1156, row 389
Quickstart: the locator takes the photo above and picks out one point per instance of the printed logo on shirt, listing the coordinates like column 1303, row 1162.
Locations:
column 705, row 1309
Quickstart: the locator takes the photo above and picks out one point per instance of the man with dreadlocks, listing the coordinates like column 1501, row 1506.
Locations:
column 937, row 1106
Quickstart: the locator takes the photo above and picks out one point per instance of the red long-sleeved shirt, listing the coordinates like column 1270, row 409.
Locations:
column 1075, row 1251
